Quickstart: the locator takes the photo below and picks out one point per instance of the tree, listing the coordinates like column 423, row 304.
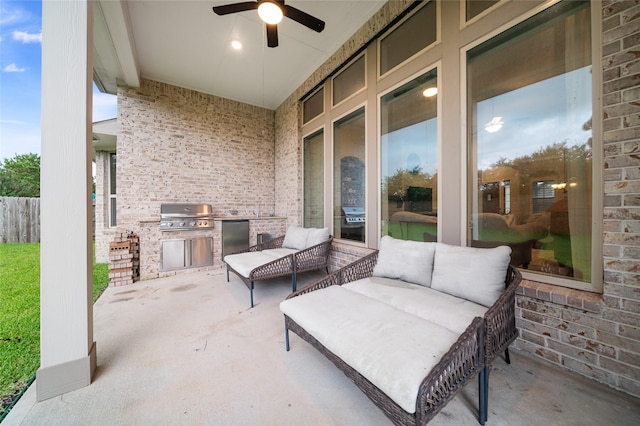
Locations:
column 20, row 176
column 395, row 186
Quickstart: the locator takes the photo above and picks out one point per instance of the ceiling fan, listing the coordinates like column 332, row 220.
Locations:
column 271, row 12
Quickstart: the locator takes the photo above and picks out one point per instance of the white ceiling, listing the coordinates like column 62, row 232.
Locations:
column 184, row 43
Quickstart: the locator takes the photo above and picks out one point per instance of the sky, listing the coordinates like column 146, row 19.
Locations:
column 20, row 76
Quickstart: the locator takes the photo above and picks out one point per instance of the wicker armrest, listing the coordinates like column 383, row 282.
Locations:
column 277, row 268
column 361, row 268
column 500, row 319
column 269, row 244
column 329, row 280
column 460, row 364
column 314, row 257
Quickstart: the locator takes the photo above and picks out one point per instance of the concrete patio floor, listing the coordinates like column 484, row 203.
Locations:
column 188, row 350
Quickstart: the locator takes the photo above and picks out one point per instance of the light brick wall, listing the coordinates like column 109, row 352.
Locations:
column 178, row 145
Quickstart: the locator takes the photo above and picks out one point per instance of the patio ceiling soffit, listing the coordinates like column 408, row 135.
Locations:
column 115, row 58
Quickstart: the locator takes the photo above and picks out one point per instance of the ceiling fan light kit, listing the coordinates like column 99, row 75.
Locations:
column 272, row 12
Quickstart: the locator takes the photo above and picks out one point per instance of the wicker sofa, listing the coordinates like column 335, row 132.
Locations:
column 299, row 250
column 411, row 324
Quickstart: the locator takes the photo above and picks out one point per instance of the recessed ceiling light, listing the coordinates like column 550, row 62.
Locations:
column 430, row 91
column 494, row 125
column 236, row 44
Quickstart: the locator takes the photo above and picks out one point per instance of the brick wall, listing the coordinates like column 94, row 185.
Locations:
column 178, row 145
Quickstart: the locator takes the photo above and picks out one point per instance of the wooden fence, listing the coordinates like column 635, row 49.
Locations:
column 19, row 220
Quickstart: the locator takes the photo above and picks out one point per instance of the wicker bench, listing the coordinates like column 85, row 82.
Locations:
column 300, row 250
column 410, row 347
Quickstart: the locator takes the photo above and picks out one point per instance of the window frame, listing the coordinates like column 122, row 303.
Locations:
column 319, row 128
column 367, row 173
column 112, row 216
column 437, row 66
column 596, row 284
column 453, row 156
column 421, row 52
column 311, row 95
column 363, row 89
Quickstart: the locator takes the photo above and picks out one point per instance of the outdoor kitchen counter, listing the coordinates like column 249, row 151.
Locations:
column 248, row 218
column 219, row 219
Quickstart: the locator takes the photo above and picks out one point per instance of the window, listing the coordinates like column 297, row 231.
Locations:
column 349, row 176
column 314, row 180
column 543, row 196
column 112, row 189
column 349, row 81
column 528, row 147
column 529, row 112
column 409, row 160
column 313, row 106
column 413, row 35
column 476, row 7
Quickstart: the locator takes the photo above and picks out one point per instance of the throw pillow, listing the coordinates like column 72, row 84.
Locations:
column 474, row 274
column 410, row 261
column 295, row 238
column 317, row 236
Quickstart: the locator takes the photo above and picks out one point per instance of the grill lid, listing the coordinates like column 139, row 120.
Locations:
column 185, row 210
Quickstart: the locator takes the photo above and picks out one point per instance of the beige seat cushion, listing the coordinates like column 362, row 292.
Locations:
column 279, row 252
column 244, row 263
column 394, row 350
column 447, row 311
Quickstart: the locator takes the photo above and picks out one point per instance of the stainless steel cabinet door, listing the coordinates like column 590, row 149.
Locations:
column 173, row 254
column 201, row 252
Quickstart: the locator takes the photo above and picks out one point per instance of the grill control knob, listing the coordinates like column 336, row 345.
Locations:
column 182, row 223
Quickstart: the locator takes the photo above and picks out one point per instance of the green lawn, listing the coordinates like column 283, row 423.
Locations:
column 20, row 313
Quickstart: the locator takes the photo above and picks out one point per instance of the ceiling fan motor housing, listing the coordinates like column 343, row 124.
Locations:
column 271, row 21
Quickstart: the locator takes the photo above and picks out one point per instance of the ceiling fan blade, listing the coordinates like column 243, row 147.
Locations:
column 272, row 35
column 235, row 7
column 303, row 18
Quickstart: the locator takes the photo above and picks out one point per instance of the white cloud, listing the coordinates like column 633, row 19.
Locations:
column 12, row 122
column 12, row 16
column 26, row 37
column 13, row 68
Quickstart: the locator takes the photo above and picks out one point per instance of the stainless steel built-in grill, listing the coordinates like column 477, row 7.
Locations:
column 354, row 217
column 186, row 217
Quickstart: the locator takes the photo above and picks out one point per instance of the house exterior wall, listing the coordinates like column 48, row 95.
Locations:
column 178, row 145
column 239, row 153
column 103, row 233
column 596, row 335
column 288, row 124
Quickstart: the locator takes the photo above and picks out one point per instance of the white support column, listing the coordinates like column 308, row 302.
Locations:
column 68, row 355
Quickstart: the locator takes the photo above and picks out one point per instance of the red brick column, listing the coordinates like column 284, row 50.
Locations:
column 124, row 259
